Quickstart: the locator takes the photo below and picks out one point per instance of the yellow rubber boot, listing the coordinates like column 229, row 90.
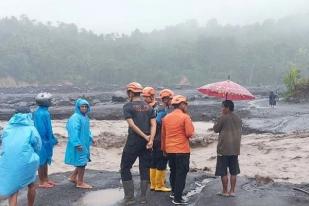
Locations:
column 160, row 180
column 153, row 180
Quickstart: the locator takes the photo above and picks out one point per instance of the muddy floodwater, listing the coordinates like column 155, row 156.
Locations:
column 107, row 197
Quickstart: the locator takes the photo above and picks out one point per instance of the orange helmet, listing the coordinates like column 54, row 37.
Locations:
column 135, row 87
column 148, row 92
column 166, row 93
column 179, row 99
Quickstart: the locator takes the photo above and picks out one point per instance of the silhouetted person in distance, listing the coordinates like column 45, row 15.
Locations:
column 272, row 99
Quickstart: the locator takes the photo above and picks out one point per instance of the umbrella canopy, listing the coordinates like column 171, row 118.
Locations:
column 226, row 90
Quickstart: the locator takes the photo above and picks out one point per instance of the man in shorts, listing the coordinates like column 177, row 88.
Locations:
column 229, row 128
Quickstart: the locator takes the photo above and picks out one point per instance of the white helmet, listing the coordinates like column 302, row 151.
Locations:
column 43, row 99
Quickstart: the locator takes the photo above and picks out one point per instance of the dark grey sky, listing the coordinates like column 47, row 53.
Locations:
column 126, row 15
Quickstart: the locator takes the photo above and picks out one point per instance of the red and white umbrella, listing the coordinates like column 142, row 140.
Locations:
column 226, row 90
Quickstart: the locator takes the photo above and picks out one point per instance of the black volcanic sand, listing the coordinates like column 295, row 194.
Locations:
column 249, row 192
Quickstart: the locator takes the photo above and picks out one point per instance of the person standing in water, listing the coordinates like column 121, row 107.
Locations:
column 80, row 139
column 273, row 99
column 142, row 128
column 19, row 157
column 42, row 122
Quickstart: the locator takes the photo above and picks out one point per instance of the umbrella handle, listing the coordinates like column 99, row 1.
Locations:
column 225, row 96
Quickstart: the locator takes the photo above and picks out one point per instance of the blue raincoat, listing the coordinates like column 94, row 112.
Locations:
column 42, row 122
column 79, row 133
column 19, row 159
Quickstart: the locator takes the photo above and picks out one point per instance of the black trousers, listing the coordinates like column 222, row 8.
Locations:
column 179, row 165
column 129, row 158
column 158, row 160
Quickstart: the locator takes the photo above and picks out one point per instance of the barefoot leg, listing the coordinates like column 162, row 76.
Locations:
column 41, row 175
column 80, row 175
column 80, row 179
column 13, row 199
column 31, row 194
column 73, row 176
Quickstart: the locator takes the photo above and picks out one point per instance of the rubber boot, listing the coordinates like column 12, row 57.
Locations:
column 160, row 186
column 128, row 188
column 144, row 188
column 153, row 178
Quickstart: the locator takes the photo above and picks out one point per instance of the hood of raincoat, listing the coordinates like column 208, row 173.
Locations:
column 21, row 119
column 80, row 102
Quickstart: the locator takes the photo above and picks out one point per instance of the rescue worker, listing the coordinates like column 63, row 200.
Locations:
column 142, row 128
column 177, row 129
column 19, row 157
column 42, row 122
column 158, row 160
column 80, row 139
column 149, row 95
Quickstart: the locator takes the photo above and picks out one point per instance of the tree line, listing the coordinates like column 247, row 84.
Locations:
column 261, row 53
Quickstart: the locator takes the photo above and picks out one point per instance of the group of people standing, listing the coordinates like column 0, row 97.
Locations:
column 27, row 147
column 159, row 133
column 159, row 130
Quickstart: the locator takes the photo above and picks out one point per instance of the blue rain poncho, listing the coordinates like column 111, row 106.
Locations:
column 19, row 159
column 42, row 122
column 79, row 134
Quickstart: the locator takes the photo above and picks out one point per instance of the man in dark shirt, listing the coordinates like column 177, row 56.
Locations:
column 142, row 128
column 229, row 128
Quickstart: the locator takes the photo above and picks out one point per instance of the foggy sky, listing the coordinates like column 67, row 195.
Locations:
column 123, row 16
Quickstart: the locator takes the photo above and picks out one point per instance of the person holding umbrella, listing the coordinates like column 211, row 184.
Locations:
column 229, row 128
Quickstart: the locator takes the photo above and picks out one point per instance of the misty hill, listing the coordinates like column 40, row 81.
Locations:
column 37, row 53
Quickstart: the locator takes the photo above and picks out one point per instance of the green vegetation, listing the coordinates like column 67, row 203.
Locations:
column 297, row 86
column 33, row 52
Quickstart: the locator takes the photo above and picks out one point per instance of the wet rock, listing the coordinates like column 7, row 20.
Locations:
column 119, row 96
column 260, row 180
column 95, row 101
column 63, row 102
column 193, row 170
column 109, row 140
column 202, row 141
column 250, row 195
column 192, row 98
column 207, row 169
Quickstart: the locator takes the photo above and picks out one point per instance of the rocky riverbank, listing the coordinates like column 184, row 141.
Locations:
column 107, row 105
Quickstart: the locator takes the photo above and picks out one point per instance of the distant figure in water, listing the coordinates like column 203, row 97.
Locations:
column 272, row 99
column 19, row 157
column 229, row 128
